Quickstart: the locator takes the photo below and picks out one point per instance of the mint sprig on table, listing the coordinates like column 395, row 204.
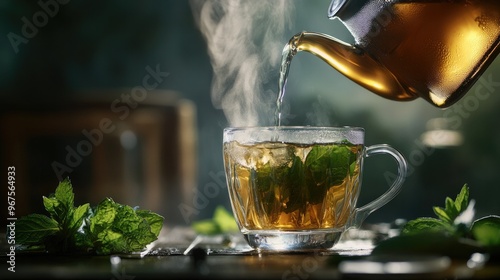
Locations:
column 108, row 228
column 457, row 219
column 454, row 231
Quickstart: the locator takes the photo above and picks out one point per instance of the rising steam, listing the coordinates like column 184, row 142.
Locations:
column 244, row 40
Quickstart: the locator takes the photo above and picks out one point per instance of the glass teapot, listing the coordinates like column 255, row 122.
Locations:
column 405, row 49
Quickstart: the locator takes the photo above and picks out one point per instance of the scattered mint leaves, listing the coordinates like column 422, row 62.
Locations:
column 221, row 222
column 108, row 228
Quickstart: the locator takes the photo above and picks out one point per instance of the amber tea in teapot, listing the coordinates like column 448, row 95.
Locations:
column 407, row 49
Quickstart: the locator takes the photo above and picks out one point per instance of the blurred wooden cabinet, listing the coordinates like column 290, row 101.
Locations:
column 138, row 152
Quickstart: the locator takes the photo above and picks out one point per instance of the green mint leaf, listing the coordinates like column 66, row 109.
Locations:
column 60, row 204
column 155, row 221
column 486, row 231
column 422, row 225
column 103, row 237
column 79, row 214
column 297, row 189
column 33, row 229
column 450, row 208
column 462, row 200
column 64, row 193
column 272, row 180
column 225, row 220
column 53, row 206
column 442, row 214
column 83, row 241
column 328, row 166
column 206, row 227
column 221, row 222
column 263, row 178
column 453, row 208
column 117, row 228
column 104, row 215
column 336, row 160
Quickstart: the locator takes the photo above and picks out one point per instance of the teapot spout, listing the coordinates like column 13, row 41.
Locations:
column 353, row 62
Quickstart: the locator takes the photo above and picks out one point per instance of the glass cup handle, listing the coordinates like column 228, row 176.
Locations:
column 360, row 214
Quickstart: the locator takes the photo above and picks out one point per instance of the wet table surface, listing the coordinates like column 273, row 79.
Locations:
column 179, row 253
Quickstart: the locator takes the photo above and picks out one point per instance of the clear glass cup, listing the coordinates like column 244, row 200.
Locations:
column 296, row 188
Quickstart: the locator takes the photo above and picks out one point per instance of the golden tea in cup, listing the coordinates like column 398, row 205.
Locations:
column 296, row 188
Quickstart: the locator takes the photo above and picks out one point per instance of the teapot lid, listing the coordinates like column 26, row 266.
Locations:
column 335, row 6
column 345, row 8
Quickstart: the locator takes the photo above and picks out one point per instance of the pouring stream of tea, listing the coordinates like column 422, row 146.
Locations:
column 288, row 52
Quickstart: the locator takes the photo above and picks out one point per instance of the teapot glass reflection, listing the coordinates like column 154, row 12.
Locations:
column 406, row 49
